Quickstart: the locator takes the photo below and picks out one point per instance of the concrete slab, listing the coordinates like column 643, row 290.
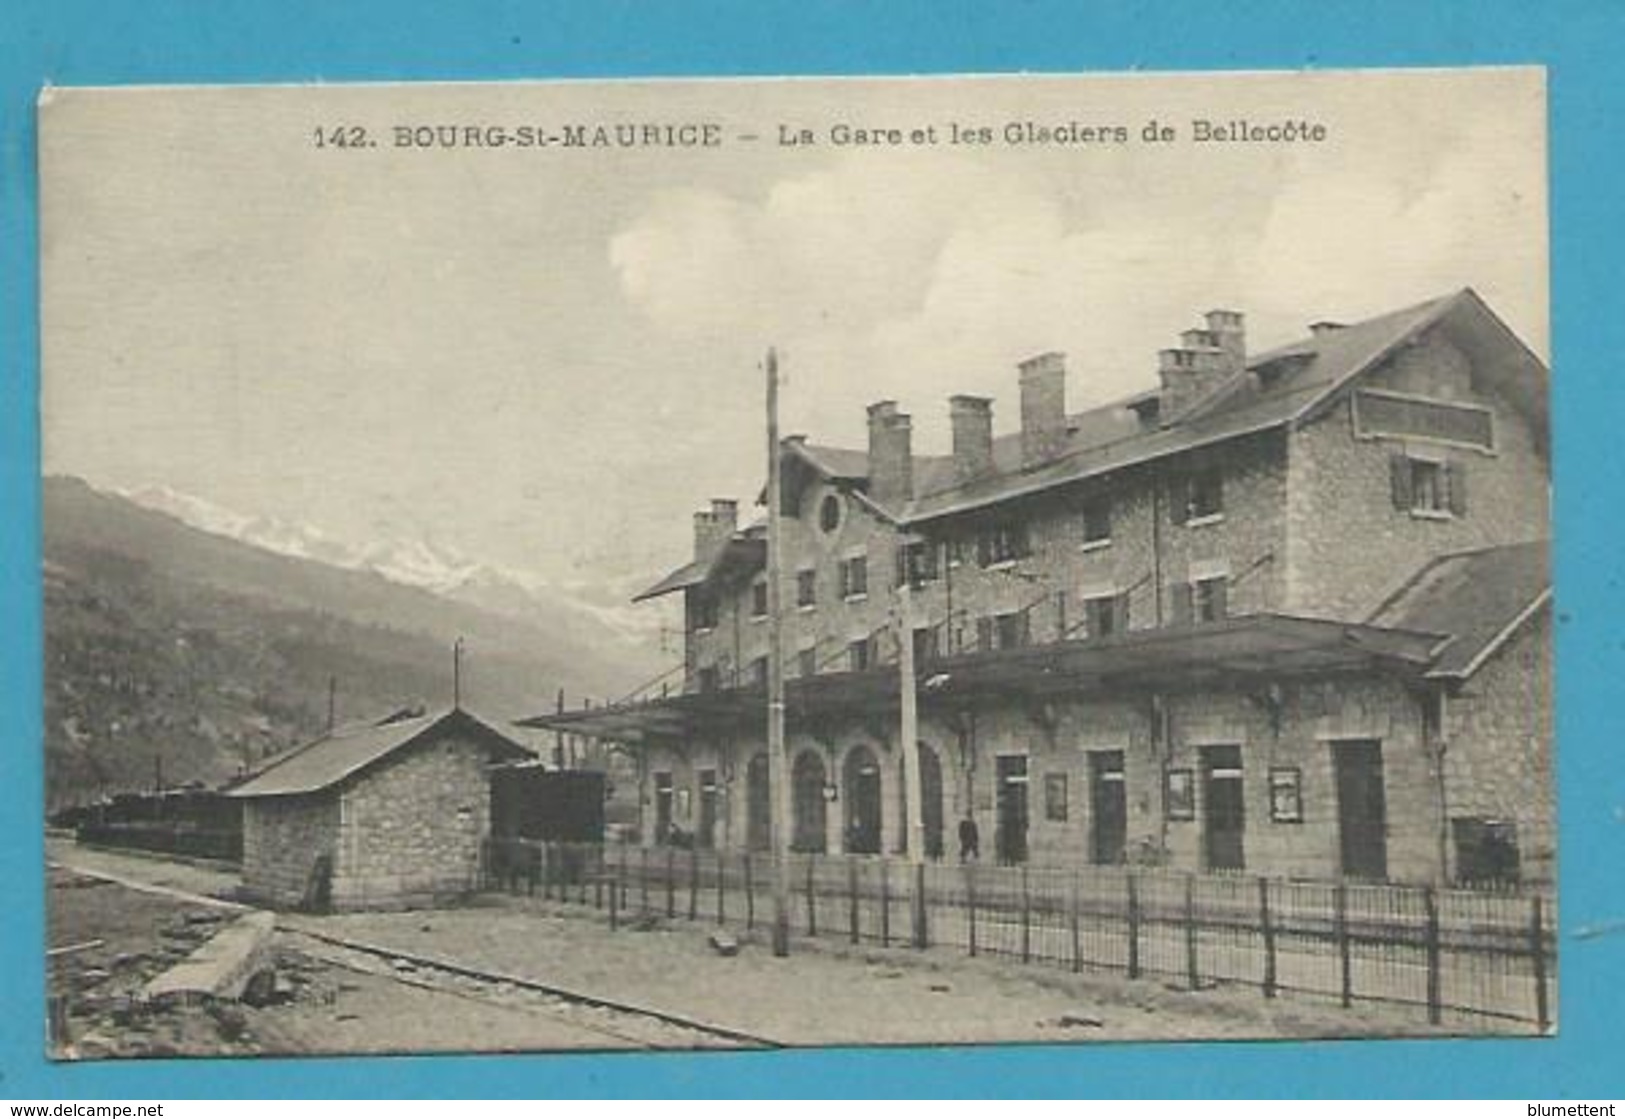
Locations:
column 221, row 967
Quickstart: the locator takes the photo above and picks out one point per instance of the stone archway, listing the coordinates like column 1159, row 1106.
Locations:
column 807, row 780
column 861, row 795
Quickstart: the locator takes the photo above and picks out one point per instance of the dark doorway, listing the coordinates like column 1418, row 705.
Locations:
column 931, row 802
column 807, row 784
column 1224, row 816
column 758, row 837
column 663, row 802
column 709, row 801
column 1108, row 807
column 860, row 779
column 1362, row 809
column 1011, row 828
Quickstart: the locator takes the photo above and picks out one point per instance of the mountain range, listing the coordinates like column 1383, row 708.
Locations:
column 185, row 637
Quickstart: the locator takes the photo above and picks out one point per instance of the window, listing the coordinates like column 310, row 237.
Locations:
column 807, row 587
column 829, row 513
column 1427, row 487
column 957, row 551
column 1204, row 496
column 702, row 612
column 859, row 655
column 758, row 672
column 1208, row 598
column 708, row 679
column 807, row 662
column 1097, row 522
column 855, row 577
column 1486, row 850
column 925, row 645
column 917, row 563
column 758, row 599
column 1002, row 544
column 1105, row 614
column 1011, row 630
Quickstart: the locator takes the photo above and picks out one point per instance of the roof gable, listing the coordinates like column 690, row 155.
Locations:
column 335, row 758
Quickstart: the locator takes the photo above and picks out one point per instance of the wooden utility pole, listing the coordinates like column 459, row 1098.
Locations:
column 777, row 769
column 457, row 674
column 913, row 791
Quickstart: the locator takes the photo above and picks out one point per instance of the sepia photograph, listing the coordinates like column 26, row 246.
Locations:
column 771, row 563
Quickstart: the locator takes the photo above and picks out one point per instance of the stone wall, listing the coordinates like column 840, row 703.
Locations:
column 1348, row 546
column 282, row 838
column 410, row 830
column 1499, row 755
column 1295, row 726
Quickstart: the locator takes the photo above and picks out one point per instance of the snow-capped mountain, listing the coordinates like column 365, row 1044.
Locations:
column 429, row 565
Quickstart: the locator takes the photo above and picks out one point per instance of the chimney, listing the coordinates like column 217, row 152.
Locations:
column 1205, row 357
column 1043, row 408
column 972, row 418
column 1230, row 335
column 891, row 454
column 713, row 527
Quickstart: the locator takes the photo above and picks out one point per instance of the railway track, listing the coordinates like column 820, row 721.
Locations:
column 623, row 1025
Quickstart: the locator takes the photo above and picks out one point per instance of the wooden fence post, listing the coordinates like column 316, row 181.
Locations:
column 1537, row 962
column 1190, row 932
column 1026, row 919
column 671, row 881
column 885, row 904
column 1267, row 928
column 693, row 883
column 812, row 900
column 1073, row 890
column 852, row 897
column 750, row 896
column 722, row 886
column 1133, row 926
column 1340, row 929
column 917, row 913
column 970, row 902
column 1430, row 902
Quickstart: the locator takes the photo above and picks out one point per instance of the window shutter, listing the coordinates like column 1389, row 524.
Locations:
column 1221, row 598
column 1181, row 605
column 1456, row 484
column 1399, row 477
column 1179, row 500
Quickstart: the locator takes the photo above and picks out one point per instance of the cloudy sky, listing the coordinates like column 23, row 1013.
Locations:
column 548, row 358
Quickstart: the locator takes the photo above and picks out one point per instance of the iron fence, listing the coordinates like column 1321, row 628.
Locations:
column 1458, row 952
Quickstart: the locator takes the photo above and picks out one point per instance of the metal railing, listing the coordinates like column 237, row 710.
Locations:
column 1468, row 954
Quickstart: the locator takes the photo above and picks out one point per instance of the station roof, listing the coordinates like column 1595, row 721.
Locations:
column 336, row 757
column 1250, row 648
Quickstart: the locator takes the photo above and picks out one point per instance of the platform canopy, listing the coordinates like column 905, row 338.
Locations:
column 1237, row 651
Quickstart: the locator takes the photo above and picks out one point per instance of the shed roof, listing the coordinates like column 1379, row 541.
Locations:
column 337, row 757
column 1480, row 598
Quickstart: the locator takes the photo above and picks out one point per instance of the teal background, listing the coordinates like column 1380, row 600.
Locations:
column 172, row 41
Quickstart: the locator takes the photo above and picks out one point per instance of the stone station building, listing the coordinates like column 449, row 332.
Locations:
column 1286, row 613
column 386, row 816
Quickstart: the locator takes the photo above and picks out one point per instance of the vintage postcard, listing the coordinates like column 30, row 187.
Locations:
column 740, row 564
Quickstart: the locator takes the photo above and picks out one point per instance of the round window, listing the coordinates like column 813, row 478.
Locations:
column 829, row 513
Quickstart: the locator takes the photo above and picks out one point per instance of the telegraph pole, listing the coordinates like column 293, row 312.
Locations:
column 457, row 674
column 913, row 793
column 777, row 771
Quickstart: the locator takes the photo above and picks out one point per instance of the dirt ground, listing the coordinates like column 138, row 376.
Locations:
column 827, row 993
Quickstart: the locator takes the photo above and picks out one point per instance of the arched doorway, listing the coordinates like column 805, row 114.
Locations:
column 758, row 805
column 930, row 798
column 860, row 789
column 807, row 792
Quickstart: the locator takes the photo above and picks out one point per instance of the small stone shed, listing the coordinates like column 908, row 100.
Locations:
column 385, row 816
